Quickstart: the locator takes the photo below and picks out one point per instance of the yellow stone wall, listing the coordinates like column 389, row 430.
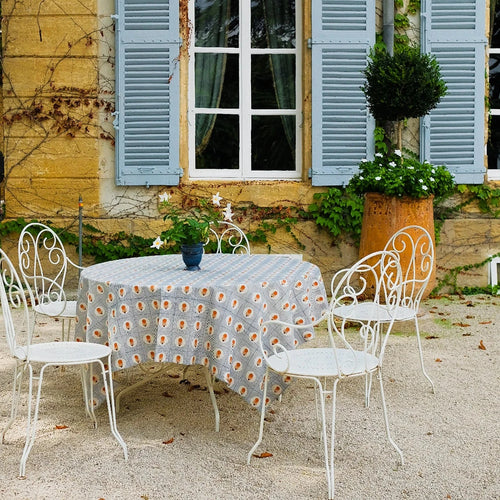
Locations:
column 50, row 77
column 58, row 97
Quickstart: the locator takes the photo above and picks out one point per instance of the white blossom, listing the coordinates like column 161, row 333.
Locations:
column 431, row 179
column 216, row 199
column 378, row 178
column 157, row 243
column 380, row 155
column 364, row 160
column 397, row 152
column 392, row 164
column 228, row 214
column 164, row 197
column 425, row 188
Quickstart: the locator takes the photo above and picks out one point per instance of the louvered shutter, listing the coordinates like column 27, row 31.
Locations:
column 343, row 31
column 147, row 92
column 453, row 133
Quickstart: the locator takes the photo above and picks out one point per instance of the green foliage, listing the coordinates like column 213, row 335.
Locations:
column 397, row 175
column 187, row 226
column 449, row 281
column 380, row 140
column 401, row 21
column 407, row 84
column 475, row 290
column 339, row 211
column 488, row 198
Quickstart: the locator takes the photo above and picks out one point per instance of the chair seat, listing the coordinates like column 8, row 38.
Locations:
column 63, row 352
column 55, row 309
column 320, row 362
column 366, row 311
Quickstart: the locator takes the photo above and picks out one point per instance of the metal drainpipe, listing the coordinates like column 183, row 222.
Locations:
column 388, row 17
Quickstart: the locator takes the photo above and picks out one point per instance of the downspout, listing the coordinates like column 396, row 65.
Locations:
column 388, row 29
column 388, row 39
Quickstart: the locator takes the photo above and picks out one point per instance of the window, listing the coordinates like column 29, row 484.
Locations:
column 494, row 119
column 245, row 93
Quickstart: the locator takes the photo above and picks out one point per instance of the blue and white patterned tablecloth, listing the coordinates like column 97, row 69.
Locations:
column 151, row 309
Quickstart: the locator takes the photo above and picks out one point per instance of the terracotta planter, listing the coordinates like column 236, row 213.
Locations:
column 384, row 215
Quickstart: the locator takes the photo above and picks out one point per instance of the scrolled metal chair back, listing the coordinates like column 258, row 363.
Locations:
column 379, row 276
column 229, row 238
column 43, row 263
column 415, row 248
column 13, row 298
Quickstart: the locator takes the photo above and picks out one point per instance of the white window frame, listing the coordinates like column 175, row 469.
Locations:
column 493, row 174
column 245, row 110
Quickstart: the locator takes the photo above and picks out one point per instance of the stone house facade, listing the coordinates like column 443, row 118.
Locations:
column 119, row 101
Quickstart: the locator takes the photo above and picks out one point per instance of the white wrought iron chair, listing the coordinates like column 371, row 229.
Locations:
column 347, row 355
column 229, row 238
column 415, row 248
column 44, row 266
column 29, row 356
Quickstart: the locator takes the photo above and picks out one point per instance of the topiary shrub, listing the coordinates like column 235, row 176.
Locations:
column 405, row 85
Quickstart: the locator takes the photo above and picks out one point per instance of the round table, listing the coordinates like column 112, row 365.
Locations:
column 152, row 309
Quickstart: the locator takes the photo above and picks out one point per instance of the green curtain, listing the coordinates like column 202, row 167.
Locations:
column 280, row 25
column 211, row 31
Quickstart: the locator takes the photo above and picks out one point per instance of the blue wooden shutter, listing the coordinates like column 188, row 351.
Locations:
column 453, row 133
column 343, row 31
column 147, row 92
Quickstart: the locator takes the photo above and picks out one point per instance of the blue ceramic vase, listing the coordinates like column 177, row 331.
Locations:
column 191, row 255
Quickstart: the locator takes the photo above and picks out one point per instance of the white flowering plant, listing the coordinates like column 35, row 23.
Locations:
column 396, row 175
column 190, row 225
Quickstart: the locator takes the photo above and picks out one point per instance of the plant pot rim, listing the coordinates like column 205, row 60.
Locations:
column 374, row 194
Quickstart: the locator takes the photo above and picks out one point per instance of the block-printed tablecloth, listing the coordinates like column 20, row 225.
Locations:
column 151, row 309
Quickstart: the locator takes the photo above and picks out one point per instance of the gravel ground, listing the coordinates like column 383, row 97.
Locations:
column 450, row 439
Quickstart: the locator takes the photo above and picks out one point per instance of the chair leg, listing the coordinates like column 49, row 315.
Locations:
column 210, row 384
column 16, row 393
column 66, row 329
column 88, row 391
column 317, row 396
column 329, row 454
column 262, row 415
column 422, row 356
column 368, row 388
column 110, row 402
column 386, row 419
column 32, row 419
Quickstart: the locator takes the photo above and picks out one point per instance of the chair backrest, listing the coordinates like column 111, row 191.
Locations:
column 43, row 263
column 13, row 297
column 229, row 238
column 380, row 270
column 415, row 248
column 349, row 311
